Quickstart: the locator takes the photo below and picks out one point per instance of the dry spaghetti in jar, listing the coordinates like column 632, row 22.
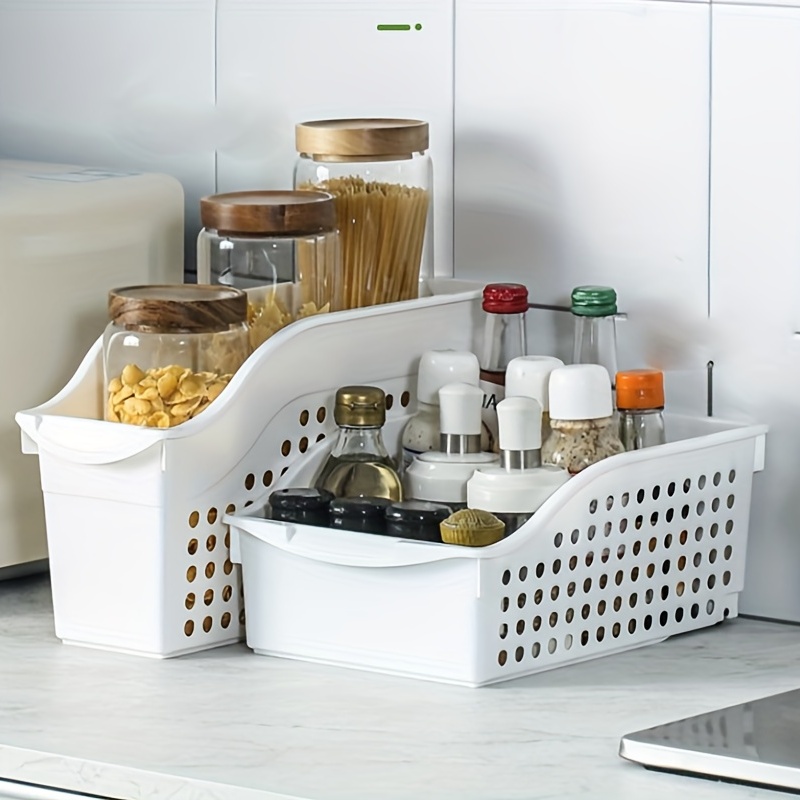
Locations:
column 380, row 173
column 169, row 351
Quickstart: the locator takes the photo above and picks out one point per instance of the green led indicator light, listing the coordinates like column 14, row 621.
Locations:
column 417, row 27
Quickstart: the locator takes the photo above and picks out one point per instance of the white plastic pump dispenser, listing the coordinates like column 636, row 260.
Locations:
column 441, row 476
column 436, row 369
column 514, row 490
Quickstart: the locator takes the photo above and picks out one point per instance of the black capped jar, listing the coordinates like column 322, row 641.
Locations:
column 416, row 519
column 362, row 514
column 170, row 350
column 306, row 506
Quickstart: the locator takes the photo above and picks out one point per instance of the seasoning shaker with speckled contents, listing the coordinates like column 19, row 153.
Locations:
column 581, row 416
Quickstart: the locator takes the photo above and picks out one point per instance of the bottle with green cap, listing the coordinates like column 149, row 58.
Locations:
column 594, row 331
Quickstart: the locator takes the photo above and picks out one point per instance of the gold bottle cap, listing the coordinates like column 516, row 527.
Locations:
column 360, row 406
column 472, row 527
column 353, row 139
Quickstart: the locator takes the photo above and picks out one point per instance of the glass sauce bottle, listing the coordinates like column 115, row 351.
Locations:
column 359, row 464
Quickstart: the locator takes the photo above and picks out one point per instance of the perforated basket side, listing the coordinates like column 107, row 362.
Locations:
column 633, row 554
column 173, row 487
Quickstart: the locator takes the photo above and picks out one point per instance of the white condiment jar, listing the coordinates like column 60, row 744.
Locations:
column 441, row 475
column 436, row 368
column 517, row 487
column 581, row 416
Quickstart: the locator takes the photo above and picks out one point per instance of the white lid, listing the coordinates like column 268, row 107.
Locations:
column 519, row 422
column 527, row 376
column 460, row 406
column 519, row 492
column 580, row 391
column 439, row 367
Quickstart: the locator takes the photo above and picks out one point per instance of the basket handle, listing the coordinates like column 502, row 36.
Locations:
column 81, row 441
column 345, row 548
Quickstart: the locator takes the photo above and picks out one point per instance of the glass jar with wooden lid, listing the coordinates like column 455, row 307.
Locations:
column 380, row 172
column 169, row 351
column 280, row 246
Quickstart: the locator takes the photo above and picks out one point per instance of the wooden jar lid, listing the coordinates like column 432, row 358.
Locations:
column 341, row 139
column 186, row 307
column 265, row 213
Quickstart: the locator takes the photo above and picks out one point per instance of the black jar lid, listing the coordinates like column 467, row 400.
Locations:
column 417, row 512
column 359, row 507
column 300, row 498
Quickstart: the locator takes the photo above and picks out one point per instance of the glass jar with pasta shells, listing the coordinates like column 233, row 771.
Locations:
column 380, row 173
column 282, row 247
column 169, row 351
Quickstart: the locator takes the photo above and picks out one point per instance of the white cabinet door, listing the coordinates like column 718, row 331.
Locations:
column 280, row 62
column 581, row 156
column 755, row 274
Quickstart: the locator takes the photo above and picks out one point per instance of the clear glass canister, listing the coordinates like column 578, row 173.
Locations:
column 281, row 246
column 381, row 175
column 169, row 351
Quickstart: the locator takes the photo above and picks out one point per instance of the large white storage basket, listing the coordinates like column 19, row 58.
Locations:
column 139, row 553
column 634, row 549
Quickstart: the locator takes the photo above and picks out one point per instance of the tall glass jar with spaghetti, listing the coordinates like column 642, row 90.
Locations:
column 169, row 351
column 380, row 173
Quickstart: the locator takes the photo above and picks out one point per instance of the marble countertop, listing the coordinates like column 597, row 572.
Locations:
column 229, row 724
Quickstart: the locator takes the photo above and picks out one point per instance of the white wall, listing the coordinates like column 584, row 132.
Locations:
column 647, row 144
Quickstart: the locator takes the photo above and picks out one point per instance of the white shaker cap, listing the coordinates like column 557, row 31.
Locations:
column 580, row 391
column 519, row 421
column 439, row 367
column 460, row 407
column 528, row 376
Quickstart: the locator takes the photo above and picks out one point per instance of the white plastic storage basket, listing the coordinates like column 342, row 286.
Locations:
column 139, row 554
column 634, row 549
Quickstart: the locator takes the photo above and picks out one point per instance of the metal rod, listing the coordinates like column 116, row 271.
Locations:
column 710, row 389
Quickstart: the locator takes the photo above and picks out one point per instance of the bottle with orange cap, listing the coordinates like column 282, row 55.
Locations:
column 640, row 403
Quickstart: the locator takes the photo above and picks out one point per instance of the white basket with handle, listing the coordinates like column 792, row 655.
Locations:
column 139, row 554
column 634, row 549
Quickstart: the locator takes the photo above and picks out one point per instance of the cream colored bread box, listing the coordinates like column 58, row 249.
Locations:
column 68, row 234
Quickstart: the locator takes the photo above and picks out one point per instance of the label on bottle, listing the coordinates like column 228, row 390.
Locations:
column 493, row 393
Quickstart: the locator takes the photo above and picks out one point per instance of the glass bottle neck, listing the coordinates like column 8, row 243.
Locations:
column 504, row 338
column 595, row 342
column 357, row 440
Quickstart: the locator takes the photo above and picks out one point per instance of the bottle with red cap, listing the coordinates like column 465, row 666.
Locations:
column 505, row 306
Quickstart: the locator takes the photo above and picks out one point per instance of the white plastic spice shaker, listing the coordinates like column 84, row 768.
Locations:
column 581, row 416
